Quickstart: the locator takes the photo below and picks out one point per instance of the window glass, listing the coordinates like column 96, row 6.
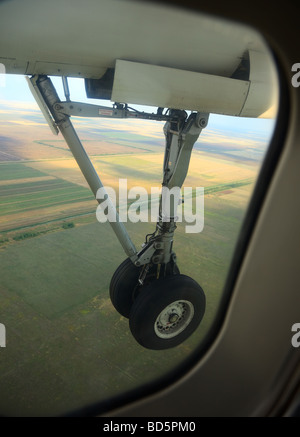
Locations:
column 64, row 345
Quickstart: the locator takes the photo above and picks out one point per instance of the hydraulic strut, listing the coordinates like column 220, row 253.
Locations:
column 181, row 134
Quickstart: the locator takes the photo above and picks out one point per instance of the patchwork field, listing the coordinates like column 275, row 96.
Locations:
column 66, row 345
column 38, row 192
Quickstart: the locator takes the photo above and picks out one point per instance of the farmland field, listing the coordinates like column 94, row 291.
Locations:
column 66, row 345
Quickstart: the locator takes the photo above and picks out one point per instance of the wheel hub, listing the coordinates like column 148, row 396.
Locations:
column 174, row 319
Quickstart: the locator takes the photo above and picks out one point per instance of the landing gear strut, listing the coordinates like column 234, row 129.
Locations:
column 164, row 307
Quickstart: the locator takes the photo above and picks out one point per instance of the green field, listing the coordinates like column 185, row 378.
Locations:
column 66, row 345
column 14, row 170
column 71, row 345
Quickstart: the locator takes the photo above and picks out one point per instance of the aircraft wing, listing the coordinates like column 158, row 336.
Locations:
column 140, row 53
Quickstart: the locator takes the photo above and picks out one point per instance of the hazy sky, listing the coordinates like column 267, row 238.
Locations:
column 15, row 95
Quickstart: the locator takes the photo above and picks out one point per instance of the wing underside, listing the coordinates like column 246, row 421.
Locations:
column 160, row 56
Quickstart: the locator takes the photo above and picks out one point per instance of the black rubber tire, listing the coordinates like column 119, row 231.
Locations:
column 177, row 296
column 122, row 286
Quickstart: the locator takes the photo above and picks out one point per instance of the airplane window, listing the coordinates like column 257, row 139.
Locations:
column 90, row 311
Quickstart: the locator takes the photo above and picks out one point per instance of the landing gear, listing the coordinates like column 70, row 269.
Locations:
column 163, row 312
column 164, row 307
column 128, row 280
column 167, row 312
column 123, row 287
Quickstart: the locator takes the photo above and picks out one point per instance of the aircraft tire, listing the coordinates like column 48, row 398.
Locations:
column 122, row 285
column 166, row 312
